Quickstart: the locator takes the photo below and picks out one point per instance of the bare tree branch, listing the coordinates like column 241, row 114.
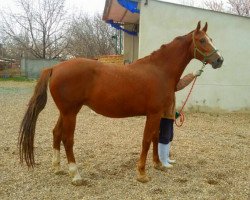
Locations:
column 214, row 5
column 90, row 37
column 239, row 7
column 39, row 27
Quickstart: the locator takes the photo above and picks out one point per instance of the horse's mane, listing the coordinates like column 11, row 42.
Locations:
column 162, row 48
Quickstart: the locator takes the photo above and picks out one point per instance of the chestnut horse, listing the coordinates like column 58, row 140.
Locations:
column 143, row 88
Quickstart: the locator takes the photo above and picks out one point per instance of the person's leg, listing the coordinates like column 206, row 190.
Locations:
column 164, row 141
column 170, row 140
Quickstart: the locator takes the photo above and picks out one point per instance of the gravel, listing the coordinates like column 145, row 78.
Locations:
column 211, row 149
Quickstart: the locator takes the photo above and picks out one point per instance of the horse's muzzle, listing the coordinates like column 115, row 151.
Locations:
column 217, row 63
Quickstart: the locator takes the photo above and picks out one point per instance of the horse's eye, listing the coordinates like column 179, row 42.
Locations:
column 202, row 40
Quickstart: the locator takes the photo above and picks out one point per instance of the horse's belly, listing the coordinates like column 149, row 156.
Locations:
column 118, row 108
column 122, row 93
column 117, row 114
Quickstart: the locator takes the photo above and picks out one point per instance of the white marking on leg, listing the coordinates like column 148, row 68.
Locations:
column 73, row 171
column 56, row 160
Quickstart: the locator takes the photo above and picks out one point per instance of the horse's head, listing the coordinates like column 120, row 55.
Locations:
column 203, row 48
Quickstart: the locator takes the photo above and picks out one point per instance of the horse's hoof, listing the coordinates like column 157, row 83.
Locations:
column 143, row 179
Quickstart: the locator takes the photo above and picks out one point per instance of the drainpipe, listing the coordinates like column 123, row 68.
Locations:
column 120, row 35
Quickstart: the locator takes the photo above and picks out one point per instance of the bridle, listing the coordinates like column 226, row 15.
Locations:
column 205, row 56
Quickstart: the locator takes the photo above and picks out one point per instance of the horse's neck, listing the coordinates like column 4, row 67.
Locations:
column 171, row 58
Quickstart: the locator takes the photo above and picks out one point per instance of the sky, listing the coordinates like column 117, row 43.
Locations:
column 197, row 3
column 72, row 6
column 88, row 6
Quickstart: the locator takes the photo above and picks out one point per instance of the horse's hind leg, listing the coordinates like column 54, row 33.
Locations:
column 57, row 138
column 69, row 122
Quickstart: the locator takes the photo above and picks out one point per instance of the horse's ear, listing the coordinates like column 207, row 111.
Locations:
column 198, row 26
column 205, row 28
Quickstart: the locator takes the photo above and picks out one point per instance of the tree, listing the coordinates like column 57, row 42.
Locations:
column 239, row 7
column 38, row 29
column 214, row 5
column 90, row 36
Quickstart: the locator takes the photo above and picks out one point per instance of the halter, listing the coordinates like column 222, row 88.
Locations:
column 205, row 57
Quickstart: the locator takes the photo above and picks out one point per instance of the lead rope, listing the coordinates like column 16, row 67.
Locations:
column 181, row 113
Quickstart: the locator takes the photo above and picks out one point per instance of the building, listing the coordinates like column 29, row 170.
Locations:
column 158, row 22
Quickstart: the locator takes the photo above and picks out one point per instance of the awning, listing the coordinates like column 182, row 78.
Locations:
column 120, row 11
column 131, row 5
column 119, row 27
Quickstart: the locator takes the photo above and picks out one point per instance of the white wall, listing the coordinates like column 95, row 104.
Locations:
column 224, row 89
column 130, row 44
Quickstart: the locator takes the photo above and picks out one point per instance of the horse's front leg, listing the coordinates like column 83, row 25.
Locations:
column 151, row 129
column 156, row 160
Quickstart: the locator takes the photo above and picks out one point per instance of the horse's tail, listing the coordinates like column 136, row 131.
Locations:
column 28, row 125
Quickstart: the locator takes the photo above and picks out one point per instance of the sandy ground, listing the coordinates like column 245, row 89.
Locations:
column 212, row 153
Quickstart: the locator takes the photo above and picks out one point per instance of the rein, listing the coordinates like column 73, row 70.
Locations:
column 205, row 57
